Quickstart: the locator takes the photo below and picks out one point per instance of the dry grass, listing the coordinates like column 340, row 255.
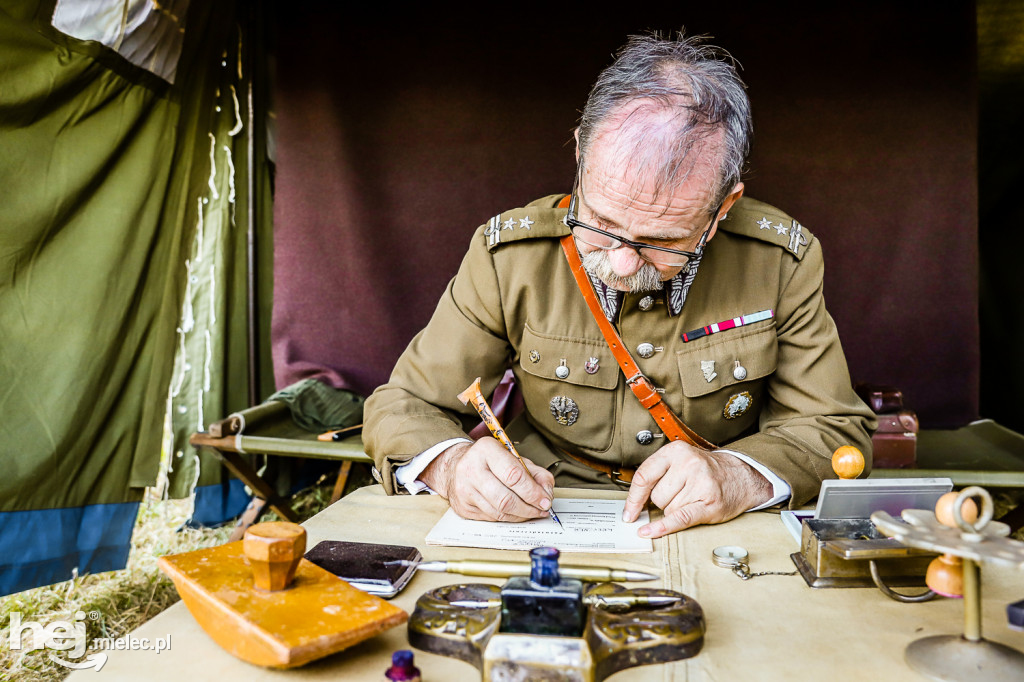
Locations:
column 122, row 600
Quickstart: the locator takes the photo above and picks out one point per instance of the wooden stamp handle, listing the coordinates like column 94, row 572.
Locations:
column 847, row 462
column 274, row 550
column 945, row 574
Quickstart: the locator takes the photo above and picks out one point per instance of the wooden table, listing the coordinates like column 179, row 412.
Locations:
column 766, row 628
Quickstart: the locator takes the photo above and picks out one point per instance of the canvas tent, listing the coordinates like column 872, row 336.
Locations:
column 136, row 177
column 123, row 158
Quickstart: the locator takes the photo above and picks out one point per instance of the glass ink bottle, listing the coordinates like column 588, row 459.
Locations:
column 545, row 603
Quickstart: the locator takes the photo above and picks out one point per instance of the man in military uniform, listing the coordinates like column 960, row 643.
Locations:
column 717, row 296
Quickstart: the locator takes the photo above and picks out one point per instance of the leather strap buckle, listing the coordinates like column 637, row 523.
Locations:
column 645, row 392
column 635, row 378
column 616, row 475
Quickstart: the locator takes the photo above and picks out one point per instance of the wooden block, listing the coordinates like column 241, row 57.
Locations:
column 274, row 550
column 317, row 615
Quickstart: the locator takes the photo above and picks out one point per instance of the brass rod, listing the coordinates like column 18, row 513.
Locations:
column 972, row 601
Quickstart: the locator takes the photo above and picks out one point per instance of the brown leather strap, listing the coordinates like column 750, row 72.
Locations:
column 671, row 425
column 616, row 473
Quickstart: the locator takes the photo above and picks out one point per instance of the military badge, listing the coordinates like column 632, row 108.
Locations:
column 708, row 368
column 797, row 238
column 592, row 365
column 724, row 325
column 493, row 230
column 564, row 410
column 737, row 405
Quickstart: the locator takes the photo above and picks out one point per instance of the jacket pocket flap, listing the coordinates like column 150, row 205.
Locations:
column 542, row 354
column 712, row 365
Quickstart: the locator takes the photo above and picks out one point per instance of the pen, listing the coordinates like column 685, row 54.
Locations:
column 612, row 602
column 340, row 434
column 509, row 569
column 474, row 394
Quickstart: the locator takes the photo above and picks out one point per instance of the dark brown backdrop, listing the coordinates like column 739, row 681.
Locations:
column 398, row 135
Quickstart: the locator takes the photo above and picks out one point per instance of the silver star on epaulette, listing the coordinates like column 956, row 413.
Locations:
column 781, row 229
column 508, row 224
column 765, row 223
column 525, row 223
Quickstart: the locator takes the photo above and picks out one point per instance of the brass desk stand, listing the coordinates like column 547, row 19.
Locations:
column 966, row 657
column 464, row 622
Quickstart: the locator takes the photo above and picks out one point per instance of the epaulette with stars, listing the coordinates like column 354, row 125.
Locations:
column 537, row 220
column 755, row 219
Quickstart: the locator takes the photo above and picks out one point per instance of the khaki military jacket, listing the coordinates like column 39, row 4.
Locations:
column 514, row 303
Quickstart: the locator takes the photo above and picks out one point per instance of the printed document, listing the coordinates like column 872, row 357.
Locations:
column 589, row 526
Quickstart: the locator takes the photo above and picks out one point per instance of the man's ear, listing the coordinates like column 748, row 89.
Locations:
column 733, row 197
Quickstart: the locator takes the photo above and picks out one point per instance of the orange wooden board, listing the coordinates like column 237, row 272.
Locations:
column 318, row 614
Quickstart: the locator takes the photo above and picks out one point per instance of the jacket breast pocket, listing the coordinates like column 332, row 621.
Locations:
column 568, row 385
column 724, row 380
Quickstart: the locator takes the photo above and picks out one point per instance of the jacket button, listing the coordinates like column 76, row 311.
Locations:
column 644, row 437
column 646, row 303
column 645, row 350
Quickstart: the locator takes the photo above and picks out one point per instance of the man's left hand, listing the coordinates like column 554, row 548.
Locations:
column 693, row 486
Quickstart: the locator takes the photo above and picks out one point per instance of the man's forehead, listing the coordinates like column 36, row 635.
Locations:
column 624, row 190
column 637, row 158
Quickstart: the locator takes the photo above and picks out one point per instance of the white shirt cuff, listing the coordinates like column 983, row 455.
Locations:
column 407, row 474
column 780, row 489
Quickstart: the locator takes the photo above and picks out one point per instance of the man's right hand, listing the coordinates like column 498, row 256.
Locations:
column 484, row 481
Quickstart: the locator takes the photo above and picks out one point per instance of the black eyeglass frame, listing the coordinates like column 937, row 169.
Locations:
column 572, row 223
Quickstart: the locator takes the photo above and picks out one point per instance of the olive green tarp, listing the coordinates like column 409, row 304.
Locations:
column 122, row 277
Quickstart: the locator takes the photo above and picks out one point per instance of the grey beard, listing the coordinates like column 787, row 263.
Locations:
column 647, row 278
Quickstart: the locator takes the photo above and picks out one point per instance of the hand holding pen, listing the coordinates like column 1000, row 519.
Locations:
column 486, row 480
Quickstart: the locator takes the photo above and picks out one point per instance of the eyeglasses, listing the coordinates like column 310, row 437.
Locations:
column 657, row 255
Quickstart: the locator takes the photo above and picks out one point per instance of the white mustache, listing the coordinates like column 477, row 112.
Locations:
column 647, row 278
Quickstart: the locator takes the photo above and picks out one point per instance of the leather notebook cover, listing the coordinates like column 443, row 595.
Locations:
column 364, row 564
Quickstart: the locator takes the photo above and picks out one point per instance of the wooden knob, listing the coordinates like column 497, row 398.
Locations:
column 847, row 462
column 274, row 550
column 944, row 510
column 945, row 576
